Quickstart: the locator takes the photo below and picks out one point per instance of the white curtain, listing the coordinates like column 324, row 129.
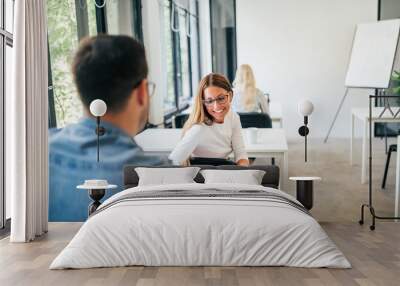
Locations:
column 27, row 123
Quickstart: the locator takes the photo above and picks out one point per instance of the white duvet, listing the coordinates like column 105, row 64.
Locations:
column 200, row 231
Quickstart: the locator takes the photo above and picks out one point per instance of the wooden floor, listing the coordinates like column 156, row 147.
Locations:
column 374, row 255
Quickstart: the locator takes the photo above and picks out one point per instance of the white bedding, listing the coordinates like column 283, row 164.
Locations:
column 200, row 231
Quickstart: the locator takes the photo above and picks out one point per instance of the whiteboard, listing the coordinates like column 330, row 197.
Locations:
column 372, row 55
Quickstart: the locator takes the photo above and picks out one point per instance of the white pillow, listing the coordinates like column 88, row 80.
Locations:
column 166, row 176
column 248, row 177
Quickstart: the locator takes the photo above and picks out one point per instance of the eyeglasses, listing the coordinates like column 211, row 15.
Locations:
column 151, row 88
column 220, row 99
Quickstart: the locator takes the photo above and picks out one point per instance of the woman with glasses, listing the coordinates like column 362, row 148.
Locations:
column 212, row 130
column 248, row 98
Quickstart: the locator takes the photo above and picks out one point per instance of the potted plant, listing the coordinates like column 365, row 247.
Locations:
column 395, row 83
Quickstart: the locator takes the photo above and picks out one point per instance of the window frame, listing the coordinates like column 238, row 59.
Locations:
column 83, row 30
column 176, row 56
column 231, row 70
column 101, row 19
column 137, row 16
column 182, row 102
column 6, row 39
column 383, row 129
column 50, row 92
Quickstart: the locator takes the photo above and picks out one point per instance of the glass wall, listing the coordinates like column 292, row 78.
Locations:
column 169, row 96
column 181, row 41
column 63, row 37
column 9, row 16
column 6, row 65
column 223, row 37
column 389, row 9
column 68, row 22
column 71, row 20
column 122, row 18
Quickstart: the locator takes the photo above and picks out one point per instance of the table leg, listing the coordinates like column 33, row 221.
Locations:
column 96, row 195
column 397, row 197
column 285, row 173
column 364, row 154
column 304, row 193
column 352, row 140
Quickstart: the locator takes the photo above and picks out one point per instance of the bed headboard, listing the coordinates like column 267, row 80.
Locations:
column 270, row 179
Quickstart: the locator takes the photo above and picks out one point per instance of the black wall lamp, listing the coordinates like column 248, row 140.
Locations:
column 305, row 109
column 98, row 108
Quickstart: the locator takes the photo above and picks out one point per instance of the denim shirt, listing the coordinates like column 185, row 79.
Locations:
column 73, row 159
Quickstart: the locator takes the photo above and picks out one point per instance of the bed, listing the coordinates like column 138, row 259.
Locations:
column 201, row 224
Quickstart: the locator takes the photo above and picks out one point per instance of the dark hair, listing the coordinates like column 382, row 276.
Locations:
column 109, row 67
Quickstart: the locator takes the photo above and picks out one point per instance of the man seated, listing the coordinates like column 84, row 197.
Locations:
column 113, row 69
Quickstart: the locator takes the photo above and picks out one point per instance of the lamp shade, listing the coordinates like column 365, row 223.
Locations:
column 98, row 107
column 305, row 107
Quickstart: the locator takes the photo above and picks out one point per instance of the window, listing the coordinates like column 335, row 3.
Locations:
column 9, row 16
column 123, row 17
column 223, row 37
column 6, row 60
column 169, row 98
column 181, row 44
column 388, row 9
column 64, row 34
column 68, row 22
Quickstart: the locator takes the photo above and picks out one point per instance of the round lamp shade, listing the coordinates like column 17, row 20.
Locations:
column 98, row 107
column 305, row 107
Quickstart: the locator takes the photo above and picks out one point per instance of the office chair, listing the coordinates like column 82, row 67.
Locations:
column 255, row 119
column 180, row 120
column 210, row 161
column 248, row 119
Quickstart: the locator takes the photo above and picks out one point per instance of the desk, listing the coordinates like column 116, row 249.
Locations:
column 270, row 143
column 363, row 115
column 275, row 110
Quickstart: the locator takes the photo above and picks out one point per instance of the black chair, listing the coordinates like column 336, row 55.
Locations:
column 392, row 148
column 248, row 119
column 255, row 119
column 180, row 120
column 210, row 161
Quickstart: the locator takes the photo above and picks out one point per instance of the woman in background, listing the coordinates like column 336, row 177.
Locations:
column 248, row 98
column 212, row 130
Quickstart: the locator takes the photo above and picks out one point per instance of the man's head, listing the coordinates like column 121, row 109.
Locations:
column 114, row 69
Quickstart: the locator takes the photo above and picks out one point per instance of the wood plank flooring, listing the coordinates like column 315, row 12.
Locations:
column 375, row 256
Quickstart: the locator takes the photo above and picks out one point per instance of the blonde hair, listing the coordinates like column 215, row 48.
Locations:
column 245, row 83
column 199, row 113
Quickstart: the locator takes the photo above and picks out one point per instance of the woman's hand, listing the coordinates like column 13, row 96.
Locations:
column 243, row 162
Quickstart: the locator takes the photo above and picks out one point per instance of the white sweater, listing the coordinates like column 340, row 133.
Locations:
column 260, row 102
column 215, row 141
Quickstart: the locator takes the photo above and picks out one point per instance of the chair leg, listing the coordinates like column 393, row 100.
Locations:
column 386, row 168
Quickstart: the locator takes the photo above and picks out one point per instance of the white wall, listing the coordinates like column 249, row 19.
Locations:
column 300, row 49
